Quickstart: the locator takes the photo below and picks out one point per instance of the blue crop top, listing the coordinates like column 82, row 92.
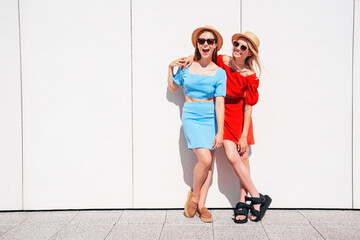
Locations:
column 200, row 86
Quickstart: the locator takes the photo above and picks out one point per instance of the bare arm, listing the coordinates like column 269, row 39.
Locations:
column 242, row 144
column 176, row 63
column 220, row 113
column 172, row 86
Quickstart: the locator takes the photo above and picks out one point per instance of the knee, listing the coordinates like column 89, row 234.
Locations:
column 233, row 158
column 205, row 162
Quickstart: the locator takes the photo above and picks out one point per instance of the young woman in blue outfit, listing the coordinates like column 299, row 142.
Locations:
column 204, row 85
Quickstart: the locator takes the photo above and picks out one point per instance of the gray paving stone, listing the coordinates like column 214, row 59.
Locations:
column 84, row 231
column 13, row 218
column 97, row 217
column 284, row 217
column 331, row 215
column 333, row 231
column 186, row 232
column 143, row 216
column 286, row 232
column 226, row 217
column 30, row 231
column 125, row 231
column 56, row 217
column 240, row 231
column 178, row 217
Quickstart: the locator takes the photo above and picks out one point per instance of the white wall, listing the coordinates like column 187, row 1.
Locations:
column 303, row 119
column 101, row 130
column 77, row 104
column 10, row 108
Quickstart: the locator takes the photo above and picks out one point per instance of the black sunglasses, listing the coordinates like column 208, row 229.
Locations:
column 210, row 41
column 242, row 47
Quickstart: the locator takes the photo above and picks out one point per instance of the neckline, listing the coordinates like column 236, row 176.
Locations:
column 237, row 72
column 203, row 75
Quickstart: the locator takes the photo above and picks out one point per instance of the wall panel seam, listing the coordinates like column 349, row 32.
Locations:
column 21, row 110
column 352, row 106
column 132, row 105
column 241, row 16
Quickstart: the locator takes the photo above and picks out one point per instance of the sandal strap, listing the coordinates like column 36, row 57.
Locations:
column 242, row 205
column 253, row 211
column 255, row 200
column 241, row 209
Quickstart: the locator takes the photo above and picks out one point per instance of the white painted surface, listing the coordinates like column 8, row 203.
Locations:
column 77, row 104
column 356, row 107
column 10, row 108
column 302, row 155
column 163, row 165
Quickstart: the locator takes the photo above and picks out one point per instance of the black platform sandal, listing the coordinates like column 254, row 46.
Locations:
column 243, row 212
column 265, row 203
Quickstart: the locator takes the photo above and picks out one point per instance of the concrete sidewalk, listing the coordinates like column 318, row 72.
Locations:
column 171, row 224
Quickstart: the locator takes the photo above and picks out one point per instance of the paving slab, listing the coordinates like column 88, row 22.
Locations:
column 226, row 217
column 38, row 231
column 284, row 217
column 333, row 231
column 56, row 217
column 97, row 217
column 143, row 216
column 177, row 217
column 186, row 232
column 84, row 231
column 327, row 216
column 123, row 231
column 240, row 231
column 286, row 232
column 9, row 220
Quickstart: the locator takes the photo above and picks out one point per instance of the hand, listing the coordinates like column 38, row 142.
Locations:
column 218, row 140
column 242, row 145
column 180, row 62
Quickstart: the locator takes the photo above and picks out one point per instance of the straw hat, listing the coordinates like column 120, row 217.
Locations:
column 207, row 27
column 249, row 36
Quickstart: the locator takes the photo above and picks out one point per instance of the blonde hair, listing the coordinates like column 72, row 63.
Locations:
column 254, row 58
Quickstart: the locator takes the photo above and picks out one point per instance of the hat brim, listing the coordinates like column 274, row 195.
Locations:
column 218, row 35
column 236, row 36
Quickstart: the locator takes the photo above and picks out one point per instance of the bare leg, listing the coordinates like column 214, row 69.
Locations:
column 245, row 159
column 202, row 175
column 205, row 187
column 242, row 169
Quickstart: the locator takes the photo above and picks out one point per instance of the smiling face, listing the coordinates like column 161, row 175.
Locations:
column 241, row 50
column 206, row 44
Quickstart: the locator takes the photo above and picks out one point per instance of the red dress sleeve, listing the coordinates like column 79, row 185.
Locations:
column 251, row 92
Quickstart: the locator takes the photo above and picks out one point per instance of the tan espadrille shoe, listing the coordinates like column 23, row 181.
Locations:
column 205, row 215
column 190, row 206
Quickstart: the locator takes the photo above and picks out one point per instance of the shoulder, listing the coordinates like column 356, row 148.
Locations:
column 221, row 74
column 249, row 73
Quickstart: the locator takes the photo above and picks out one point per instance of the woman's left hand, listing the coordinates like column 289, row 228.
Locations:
column 218, row 141
column 242, row 145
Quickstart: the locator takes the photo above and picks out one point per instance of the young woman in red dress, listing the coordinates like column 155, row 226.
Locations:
column 241, row 96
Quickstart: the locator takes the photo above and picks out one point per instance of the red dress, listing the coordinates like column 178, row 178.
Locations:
column 243, row 90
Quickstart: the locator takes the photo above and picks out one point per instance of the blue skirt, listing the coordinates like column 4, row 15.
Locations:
column 199, row 124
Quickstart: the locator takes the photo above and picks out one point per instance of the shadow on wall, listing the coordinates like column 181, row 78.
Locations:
column 227, row 180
